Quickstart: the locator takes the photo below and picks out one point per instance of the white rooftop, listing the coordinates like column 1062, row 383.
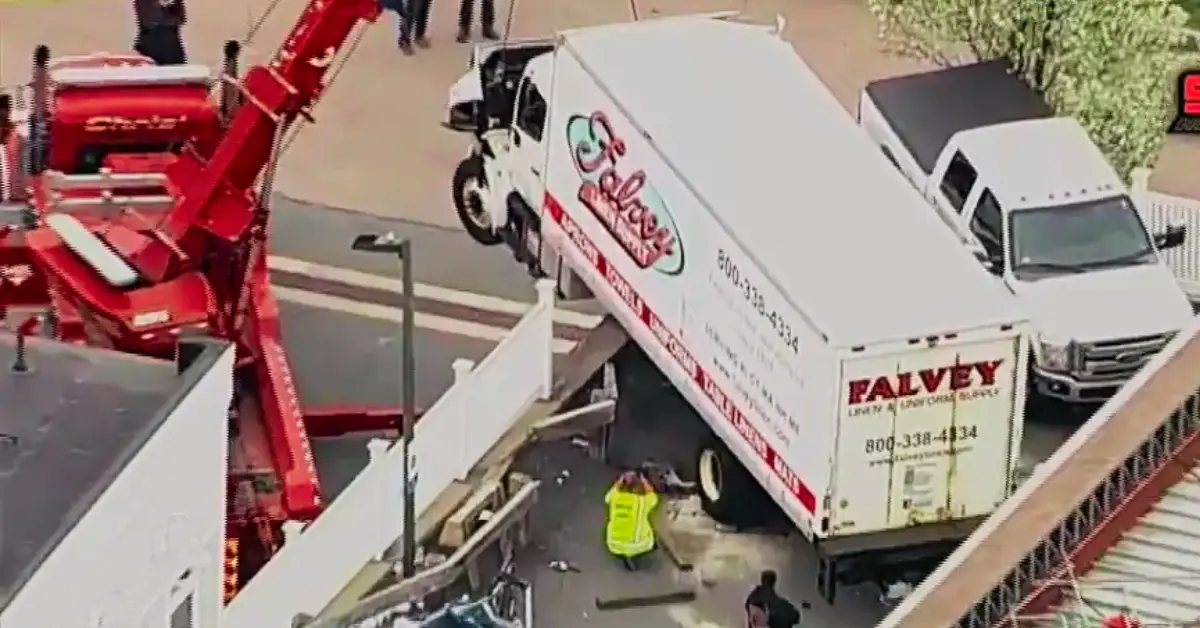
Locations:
column 848, row 240
column 1037, row 163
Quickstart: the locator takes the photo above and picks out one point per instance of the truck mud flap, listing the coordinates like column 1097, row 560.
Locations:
column 525, row 236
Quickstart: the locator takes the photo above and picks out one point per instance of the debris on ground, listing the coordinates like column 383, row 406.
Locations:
column 562, row 566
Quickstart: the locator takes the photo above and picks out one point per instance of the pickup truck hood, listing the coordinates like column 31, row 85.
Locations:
column 1105, row 305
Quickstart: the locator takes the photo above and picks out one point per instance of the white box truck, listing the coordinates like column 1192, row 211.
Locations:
column 853, row 360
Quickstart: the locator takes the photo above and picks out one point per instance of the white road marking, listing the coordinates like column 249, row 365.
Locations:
column 426, row 291
column 422, row 320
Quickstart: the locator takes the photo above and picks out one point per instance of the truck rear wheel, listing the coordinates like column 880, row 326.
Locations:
column 728, row 492
column 467, row 188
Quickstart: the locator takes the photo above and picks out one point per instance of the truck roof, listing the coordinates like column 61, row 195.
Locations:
column 926, row 109
column 1039, row 163
column 793, row 179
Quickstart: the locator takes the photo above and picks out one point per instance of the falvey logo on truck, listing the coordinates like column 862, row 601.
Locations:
column 629, row 207
column 935, row 382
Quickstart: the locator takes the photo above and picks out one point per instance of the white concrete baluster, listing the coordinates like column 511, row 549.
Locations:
column 545, row 288
column 463, row 369
column 389, row 500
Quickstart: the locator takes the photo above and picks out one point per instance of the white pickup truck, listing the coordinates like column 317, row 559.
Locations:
column 1040, row 206
column 856, row 365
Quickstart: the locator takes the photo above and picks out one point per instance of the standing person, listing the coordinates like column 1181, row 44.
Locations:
column 767, row 609
column 487, row 20
column 158, row 30
column 629, row 532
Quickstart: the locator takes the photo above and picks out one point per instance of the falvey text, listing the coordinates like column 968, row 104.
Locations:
column 929, row 381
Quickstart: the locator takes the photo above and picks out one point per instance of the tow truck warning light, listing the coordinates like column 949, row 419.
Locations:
column 1187, row 116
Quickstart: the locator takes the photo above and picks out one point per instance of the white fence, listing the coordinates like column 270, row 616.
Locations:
column 367, row 517
column 1160, row 210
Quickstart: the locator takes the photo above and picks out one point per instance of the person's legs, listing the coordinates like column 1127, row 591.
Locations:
column 176, row 53
column 420, row 22
column 162, row 44
column 404, row 25
column 487, row 18
column 465, row 9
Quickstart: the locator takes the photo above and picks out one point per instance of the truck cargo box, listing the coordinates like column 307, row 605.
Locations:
column 789, row 282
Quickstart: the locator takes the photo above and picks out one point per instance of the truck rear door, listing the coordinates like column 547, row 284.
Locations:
column 925, row 435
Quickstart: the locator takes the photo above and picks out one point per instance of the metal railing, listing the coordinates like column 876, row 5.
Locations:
column 1161, row 210
column 1052, row 558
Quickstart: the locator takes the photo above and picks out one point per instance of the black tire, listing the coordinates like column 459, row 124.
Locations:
column 471, row 169
column 729, row 494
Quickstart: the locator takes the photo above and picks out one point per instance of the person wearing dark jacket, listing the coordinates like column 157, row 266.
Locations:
column 487, row 20
column 767, row 609
column 158, row 30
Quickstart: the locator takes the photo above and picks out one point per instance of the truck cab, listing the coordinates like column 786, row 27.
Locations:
column 503, row 101
column 117, row 112
column 1042, row 209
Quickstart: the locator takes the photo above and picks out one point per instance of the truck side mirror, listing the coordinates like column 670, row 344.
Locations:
column 1171, row 237
column 464, row 116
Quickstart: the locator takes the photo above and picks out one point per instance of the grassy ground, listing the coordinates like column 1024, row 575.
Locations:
column 1193, row 9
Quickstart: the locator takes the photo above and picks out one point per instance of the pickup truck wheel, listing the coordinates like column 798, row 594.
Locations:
column 467, row 188
column 728, row 493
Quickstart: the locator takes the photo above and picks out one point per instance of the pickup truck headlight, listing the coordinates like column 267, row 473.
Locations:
column 1054, row 355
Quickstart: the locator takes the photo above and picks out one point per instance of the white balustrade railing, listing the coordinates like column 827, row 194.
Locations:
column 484, row 402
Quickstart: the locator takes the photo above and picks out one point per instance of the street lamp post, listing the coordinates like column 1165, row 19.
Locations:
column 402, row 248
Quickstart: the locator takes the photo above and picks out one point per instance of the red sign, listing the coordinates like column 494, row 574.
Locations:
column 924, row 382
column 1187, row 117
column 629, row 208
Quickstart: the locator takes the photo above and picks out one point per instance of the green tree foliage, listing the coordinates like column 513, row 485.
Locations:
column 1112, row 64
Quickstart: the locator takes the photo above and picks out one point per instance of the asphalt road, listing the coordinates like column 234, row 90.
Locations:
column 343, row 357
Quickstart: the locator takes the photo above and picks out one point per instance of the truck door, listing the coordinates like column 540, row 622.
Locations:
column 924, row 435
column 528, row 128
column 986, row 223
column 485, row 96
column 950, row 186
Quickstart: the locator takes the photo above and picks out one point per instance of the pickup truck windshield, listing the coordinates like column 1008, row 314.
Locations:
column 1078, row 238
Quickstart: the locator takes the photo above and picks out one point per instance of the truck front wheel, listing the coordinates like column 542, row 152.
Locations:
column 728, row 493
column 468, row 189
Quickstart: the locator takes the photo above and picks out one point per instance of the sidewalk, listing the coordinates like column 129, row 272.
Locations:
column 378, row 145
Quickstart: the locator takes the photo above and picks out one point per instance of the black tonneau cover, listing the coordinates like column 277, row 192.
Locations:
column 926, row 110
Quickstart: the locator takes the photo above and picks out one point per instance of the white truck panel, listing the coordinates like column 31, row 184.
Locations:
column 692, row 289
column 919, row 440
column 713, row 323
column 837, row 246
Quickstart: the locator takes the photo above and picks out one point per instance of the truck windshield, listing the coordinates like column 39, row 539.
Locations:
column 1078, row 238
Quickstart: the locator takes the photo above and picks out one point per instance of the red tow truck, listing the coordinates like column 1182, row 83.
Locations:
column 134, row 202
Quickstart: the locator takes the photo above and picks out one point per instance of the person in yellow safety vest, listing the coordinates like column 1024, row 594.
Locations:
column 629, row 533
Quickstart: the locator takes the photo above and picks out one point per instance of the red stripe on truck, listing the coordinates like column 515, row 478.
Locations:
column 723, row 402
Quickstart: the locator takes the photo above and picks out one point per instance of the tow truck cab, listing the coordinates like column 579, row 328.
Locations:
column 118, row 112
column 1044, row 211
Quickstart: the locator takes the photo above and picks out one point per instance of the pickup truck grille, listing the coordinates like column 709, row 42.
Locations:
column 1118, row 360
